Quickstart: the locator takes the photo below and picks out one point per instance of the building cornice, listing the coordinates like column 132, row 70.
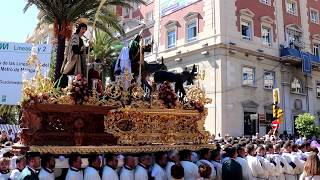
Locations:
column 226, row 47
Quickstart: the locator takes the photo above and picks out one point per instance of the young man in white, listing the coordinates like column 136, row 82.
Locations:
column 20, row 165
column 276, row 168
column 293, row 161
column 255, row 165
column 48, row 164
column 4, row 168
column 109, row 171
column 191, row 171
column 33, row 163
column 74, row 171
column 158, row 170
column 142, row 169
column 205, row 155
column 127, row 171
column 92, row 170
column 266, row 165
column 284, row 166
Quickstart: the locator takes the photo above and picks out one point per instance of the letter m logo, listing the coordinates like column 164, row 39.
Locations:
column 4, row 46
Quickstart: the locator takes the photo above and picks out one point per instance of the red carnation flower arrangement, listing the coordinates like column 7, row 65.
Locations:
column 167, row 95
column 79, row 89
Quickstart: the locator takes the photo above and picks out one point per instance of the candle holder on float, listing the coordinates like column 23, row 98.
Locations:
column 93, row 99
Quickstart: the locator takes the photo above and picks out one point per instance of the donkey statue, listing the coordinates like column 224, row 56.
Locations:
column 178, row 78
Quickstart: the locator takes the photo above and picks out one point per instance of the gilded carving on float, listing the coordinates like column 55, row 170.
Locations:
column 123, row 117
column 138, row 126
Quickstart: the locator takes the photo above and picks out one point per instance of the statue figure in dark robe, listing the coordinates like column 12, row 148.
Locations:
column 134, row 55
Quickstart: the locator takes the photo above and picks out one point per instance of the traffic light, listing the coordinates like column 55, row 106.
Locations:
column 274, row 111
column 280, row 115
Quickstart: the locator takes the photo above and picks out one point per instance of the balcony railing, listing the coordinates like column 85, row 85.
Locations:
column 298, row 55
column 306, row 59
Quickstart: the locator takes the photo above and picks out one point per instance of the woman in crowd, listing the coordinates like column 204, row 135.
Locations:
column 311, row 168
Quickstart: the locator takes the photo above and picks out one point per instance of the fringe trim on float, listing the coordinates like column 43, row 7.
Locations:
column 116, row 149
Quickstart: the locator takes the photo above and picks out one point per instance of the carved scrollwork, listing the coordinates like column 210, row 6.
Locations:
column 55, row 124
column 155, row 126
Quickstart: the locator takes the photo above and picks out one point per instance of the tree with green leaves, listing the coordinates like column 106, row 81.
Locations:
column 305, row 125
column 9, row 114
column 106, row 48
column 63, row 13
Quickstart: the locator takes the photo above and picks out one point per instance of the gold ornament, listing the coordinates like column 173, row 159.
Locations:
column 197, row 95
column 134, row 126
column 137, row 92
column 113, row 91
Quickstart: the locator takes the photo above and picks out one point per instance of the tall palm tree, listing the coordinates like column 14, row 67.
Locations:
column 65, row 12
column 8, row 114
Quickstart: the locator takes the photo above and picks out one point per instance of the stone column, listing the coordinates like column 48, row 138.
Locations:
column 285, row 100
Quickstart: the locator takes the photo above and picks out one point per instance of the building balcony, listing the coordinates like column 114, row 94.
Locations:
column 294, row 55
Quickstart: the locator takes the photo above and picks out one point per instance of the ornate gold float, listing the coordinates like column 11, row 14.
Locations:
column 119, row 120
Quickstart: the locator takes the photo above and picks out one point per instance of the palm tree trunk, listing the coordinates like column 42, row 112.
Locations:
column 60, row 56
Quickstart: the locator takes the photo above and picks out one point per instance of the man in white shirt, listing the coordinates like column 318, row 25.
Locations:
column 299, row 141
column 92, row 170
column 20, row 165
column 205, row 155
column 243, row 162
column 109, row 171
column 142, row 170
column 158, row 170
column 172, row 159
column 33, row 163
column 266, row 165
column 4, row 168
column 74, row 171
column 191, row 171
column 275, row 168
column 48, row 164
column 301, row 152
column 254, row 164
column 127, row 171
column 293, row 161
column 282, row 169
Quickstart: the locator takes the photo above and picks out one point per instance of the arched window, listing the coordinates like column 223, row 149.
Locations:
column 294, row 36
column 296, row 86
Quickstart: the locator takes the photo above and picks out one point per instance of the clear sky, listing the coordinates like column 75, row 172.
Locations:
column 16, row 25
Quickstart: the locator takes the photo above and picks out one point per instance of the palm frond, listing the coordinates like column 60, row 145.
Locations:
column 6, row 109
column 27, row 6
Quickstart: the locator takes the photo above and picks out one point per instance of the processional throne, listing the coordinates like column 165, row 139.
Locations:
column 118, row 120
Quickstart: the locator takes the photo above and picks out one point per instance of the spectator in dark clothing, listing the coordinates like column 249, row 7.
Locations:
column 231, row 169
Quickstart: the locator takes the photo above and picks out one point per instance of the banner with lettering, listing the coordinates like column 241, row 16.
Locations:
column 13, row 65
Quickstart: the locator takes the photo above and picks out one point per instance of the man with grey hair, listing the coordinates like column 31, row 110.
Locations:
column 141, row 172
column 172, row 159
column 127, row 171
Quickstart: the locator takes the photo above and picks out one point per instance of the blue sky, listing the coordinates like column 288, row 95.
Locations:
column 16, row 25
